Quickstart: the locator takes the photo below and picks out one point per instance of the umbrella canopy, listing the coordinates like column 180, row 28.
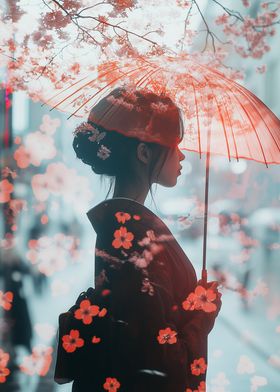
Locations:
column 221, row 116
column 241, row 125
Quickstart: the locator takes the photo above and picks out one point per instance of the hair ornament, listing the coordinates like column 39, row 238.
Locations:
column 103, row 152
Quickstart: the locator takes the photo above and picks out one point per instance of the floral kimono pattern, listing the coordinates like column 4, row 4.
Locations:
column 141, row 266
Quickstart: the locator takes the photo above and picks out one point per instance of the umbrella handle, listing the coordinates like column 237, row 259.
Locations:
column 204, row 275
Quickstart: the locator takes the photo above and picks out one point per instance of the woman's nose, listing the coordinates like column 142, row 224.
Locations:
column 182, row 156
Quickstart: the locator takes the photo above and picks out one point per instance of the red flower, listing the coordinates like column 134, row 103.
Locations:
column 6, row 299
column 95, row 339
column 136, row 217
column 5, row 189
column 122, row 216
column 167, row 336
column 122, row 238
column 201, row 299
column 4, row 358
column 86, row 311
column 198, row 366
column 205, row 298
column 111, row 384
column 102, row 312
column 4, row 372
column 202, row 386
column 72, row 341
column 189, row 303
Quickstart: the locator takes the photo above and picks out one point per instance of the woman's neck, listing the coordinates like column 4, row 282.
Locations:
column 134, row 190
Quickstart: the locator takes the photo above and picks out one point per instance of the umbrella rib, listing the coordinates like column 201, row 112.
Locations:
column 254, row 98
column 88, row 83
column 56, row 95
column 236, row 98
column 241, row 114
column 232, row 133
column 116, row 107
column 257, row 136
column 146, row 76
column 248, row 93
column 60, row 92
column 197, row 120
column 221, row 117
column 113, row 81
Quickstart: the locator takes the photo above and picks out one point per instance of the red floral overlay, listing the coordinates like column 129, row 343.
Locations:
column 4, row 372
column 167, row 336
column 6, row 299
column 200, row 388
column 72, row 341
column 122, row 217
column 95, row 339
column 198, row 366
column 201, row 299
column 111, row 384
column 122, row 238
column 86, row 312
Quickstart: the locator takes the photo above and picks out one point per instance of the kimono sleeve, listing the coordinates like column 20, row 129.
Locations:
column 142, row 296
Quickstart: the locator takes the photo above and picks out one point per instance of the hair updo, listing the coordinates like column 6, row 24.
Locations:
column 119, row 122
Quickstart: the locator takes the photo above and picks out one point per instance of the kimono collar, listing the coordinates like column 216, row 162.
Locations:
column 103, row 214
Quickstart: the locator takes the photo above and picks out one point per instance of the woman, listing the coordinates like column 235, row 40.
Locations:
column 133, row 136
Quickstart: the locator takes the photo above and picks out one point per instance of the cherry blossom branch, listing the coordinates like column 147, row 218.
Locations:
column 102, row 21
column 209, row 32
column 185, row 26
column 236, row 14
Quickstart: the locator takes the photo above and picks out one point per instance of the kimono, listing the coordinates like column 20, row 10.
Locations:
column 139, row 263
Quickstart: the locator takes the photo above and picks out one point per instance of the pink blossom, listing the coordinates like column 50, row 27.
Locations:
column 262, row 69
column 222, row 19
column 40, row 187
column 38, row 362
column 55, row 19
column 49, row 125
column 6, row 188
column 40, row 145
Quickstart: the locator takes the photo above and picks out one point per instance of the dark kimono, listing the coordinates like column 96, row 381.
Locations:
column 140, row 263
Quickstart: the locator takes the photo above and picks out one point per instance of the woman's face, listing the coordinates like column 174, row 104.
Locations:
column 171, row 168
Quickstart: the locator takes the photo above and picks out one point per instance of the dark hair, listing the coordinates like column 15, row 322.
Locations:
column 122, row 150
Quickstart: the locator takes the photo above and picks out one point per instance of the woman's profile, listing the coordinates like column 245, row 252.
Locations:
column 159, row 338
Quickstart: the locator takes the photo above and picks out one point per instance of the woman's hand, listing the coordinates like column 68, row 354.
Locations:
column 209, row 317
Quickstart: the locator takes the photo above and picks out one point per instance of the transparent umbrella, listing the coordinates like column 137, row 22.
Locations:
column 221, row 116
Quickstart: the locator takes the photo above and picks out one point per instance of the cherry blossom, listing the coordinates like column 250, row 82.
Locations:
column 103, row 152
column 4, row 372
column 6, row 299
column 86, row 312
column 95, row 339
column 111, row 384
column 201, row 299
column 167, row 336
column 38, row 362
column 123, row 238
column 256, row 382
column 4, row 358
column 49, row 125
column 6, row 188
column 198, row 366
column 51, row 254
column 245, row 365
column 72, row 341
column 122, row 217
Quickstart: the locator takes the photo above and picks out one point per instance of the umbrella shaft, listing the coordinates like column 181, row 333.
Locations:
column 206, row 209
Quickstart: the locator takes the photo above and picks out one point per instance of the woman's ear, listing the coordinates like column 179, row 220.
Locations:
column 143, row 152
